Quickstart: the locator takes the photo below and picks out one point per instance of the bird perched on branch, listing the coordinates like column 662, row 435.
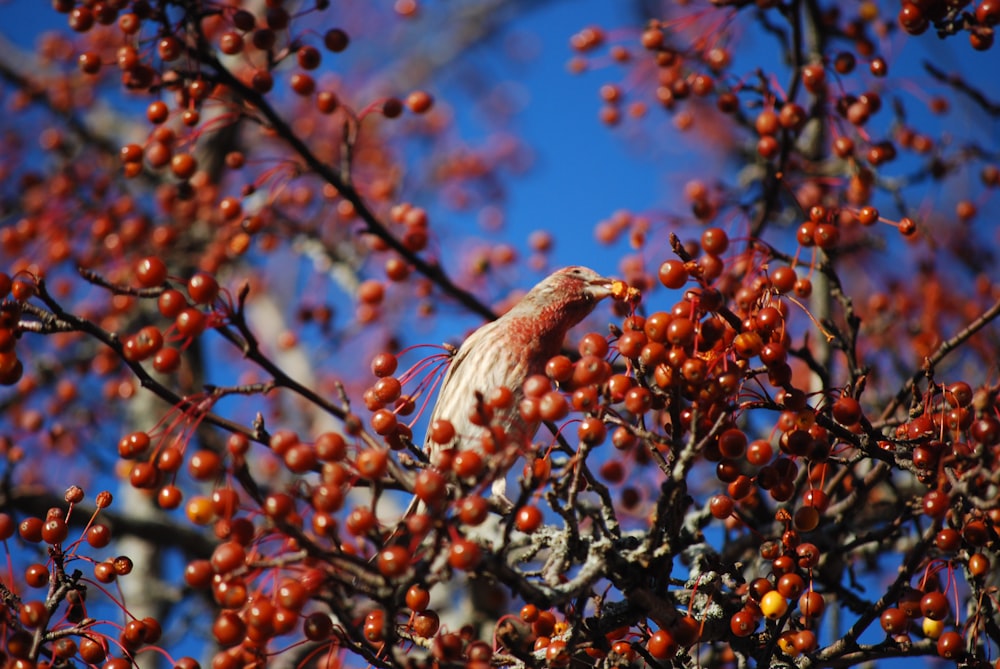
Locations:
column 501, row 355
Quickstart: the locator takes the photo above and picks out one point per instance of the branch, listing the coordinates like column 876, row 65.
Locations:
column 848, row 643
column 943, row 350
column 161, row 533
column 962, row 86
column 60, row 320
column 432, row 271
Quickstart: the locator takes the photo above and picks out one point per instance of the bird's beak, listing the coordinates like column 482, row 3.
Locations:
column 600, row 287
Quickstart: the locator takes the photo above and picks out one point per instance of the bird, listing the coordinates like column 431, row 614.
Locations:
column 503, row 354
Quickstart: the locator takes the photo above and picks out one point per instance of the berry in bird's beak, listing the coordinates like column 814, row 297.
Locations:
column 623, row 292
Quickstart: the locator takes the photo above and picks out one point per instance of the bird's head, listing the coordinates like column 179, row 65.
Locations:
column 581, row 281
column 592, row 285
column 567, row 295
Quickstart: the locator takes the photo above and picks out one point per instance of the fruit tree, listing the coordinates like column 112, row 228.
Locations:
column 763, row 431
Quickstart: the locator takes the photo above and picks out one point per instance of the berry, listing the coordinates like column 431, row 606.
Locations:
column 528, row 519
column 673, row 274
column 419, row 102
column 934, row 605
column 773, row 605
column 336, row 40
column 393, row 561
column 157, row 112
column 951, row 645
column 661, row 645
column 464, row 555
column 743, row 623
column 203, row 288
column 894, row 621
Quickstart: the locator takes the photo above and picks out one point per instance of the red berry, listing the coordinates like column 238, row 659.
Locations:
column 743, row 623
column 157, row 112
column 934, row 605
column 150, row 271
column 336, row 40
column 528, row 519
column 715, row 241
column 951, row 645
column 203, row 288
column 661, row 645
column 720, row 506
column 673, row 274
column 894, row 621
column 464, row 555
column 393, row 561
